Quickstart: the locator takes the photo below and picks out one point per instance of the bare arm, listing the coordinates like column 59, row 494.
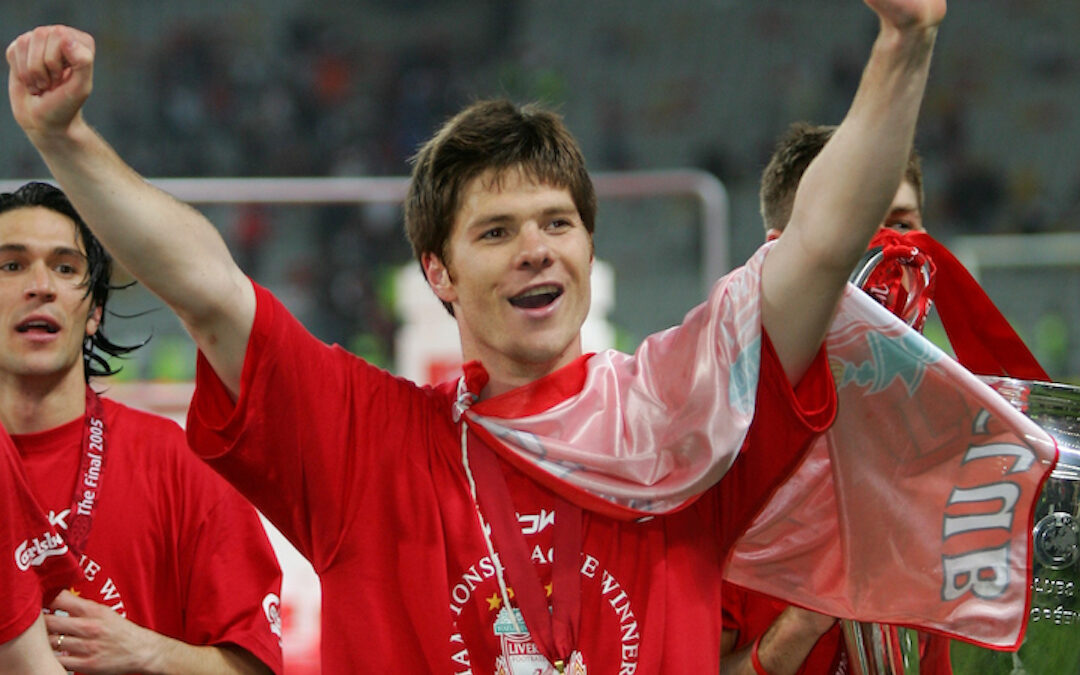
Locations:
column 28, row 653
column 848, row 187
column 98, row 641
column 783, row 647
column 168, row 246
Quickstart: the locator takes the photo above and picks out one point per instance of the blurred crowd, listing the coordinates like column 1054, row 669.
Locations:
column 285, row 88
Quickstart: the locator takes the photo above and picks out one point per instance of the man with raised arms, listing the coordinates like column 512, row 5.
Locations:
column 434, row 548
column 35, row 565
column 175, row 567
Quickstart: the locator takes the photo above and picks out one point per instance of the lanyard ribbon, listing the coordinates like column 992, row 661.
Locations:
column 979, row 334
column 91, row 471
column 554, row 632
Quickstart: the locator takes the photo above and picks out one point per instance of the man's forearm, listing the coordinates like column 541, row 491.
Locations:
column 165, row 244
column 783, row 647
column 172, row 657
column 28, row 653
column 851, row 183
column 846, row 190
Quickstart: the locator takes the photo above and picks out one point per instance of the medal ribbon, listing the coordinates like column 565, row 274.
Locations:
column 979, row 334
column 91, row 471
column 554, row 632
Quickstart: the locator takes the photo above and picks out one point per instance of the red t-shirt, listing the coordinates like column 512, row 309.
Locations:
column 173, row 547
column 751, row 613
column 35, row 563
column 362, row 472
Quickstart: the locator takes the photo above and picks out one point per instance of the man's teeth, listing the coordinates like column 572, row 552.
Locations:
column 540, row 290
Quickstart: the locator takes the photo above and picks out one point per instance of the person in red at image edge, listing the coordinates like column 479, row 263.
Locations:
column 177, row 574
column 763, row 634
column 436, row 553
column 35, row 565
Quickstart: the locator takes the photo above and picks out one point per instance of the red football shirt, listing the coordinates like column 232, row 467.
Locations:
column 362, row 471
column 173, row 547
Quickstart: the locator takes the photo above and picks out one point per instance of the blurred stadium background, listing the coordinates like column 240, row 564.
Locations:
column 284, row 88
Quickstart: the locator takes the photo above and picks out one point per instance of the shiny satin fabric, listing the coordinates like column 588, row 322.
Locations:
column 649, row 432
column 916, row 507
column 862, row 530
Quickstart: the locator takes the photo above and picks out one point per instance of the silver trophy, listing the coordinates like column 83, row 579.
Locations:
column 1052, row 640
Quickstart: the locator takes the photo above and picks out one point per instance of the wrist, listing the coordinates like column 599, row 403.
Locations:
column 911, row 41
column 152, row 653
column 61, row 138
column 755, row 658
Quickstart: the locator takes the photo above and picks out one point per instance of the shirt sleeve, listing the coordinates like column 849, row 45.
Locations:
column 314, row 430
column 732, row 607
column 786, row 420
column 234, row 581
column 36, row 564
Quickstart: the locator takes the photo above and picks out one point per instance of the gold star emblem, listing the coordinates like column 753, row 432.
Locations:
column 550, row 588
column 494, row 602
column 73, row 591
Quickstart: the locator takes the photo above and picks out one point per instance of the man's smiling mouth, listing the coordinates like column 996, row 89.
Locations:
column 535, row 298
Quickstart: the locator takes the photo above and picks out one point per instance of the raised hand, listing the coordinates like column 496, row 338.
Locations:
column 51, row 76
column 908, row 14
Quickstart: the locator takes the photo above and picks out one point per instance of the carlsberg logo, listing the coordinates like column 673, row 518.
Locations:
column 33, row 552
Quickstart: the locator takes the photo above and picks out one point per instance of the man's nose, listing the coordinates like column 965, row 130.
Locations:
column 534, row 250
column 40, row 282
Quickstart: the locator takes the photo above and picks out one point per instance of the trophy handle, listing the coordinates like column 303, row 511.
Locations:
column 880, row 649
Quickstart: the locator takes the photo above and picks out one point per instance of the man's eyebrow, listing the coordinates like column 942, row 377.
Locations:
column 68, row 251
column 569, row 209
column 501, row 218
column 903, row 209
column 64, row 251
column 493, row 219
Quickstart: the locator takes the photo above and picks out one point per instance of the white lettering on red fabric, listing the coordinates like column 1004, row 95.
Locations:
column 59, row 519
column 89, row 567
column 461, row 592
column 482, row 574
column 34, row 552
column 984, row 572
column 535, row 524
column 628, row 625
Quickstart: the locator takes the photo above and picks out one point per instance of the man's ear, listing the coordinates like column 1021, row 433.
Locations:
column 93, row 321
column 438, row 277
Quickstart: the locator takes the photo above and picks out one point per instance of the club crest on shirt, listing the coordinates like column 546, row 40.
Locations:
column 34, row 552
column 520, row 656
column 271, row 605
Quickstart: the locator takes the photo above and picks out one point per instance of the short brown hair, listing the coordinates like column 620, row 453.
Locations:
column 497, row 135
column 798, row 146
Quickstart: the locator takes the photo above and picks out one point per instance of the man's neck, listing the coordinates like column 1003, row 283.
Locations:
column 29, row 405
column 512, row 375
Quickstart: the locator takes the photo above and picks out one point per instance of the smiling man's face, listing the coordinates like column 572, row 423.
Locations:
column 517, row 274
column 44, row 308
